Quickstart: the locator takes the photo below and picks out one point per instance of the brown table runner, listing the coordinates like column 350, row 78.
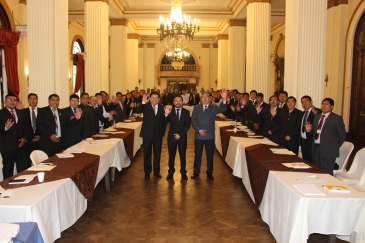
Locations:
column 225, row 137
column 82, row 169
column 260, row 160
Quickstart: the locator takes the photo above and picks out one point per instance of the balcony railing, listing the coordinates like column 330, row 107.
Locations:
column 186, row 68
column 189, row 70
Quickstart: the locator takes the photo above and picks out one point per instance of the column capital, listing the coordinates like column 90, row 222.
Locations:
column 105, row 1
column 205, row 45
column 141, row 45
column 119, row 21
column 223, row 37
column 258, row 1
column 236, row 22
column 150, row 45
column 334, row 3
column 215, row 45
column 23, row 2
column 133, row 36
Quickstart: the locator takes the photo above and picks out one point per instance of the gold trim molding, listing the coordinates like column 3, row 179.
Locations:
column 334, row 3
column 116, row 21
column 141, row 45
column 236, row 22
column 205, row 45
column 222, row 37
column 105, row 1
column 258, row 1
column 23, row 2
column 133, row 36
column 150, row 45
column 215, row 45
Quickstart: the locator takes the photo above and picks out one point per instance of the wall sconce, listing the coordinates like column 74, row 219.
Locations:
column 139, row 82
column 326, row 79
column 27, row 74
column 216, row 82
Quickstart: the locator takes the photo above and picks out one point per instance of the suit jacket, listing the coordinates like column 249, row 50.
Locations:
column 195, row 101
column 46, row 125
column 181, row 127
column 166, row 99
column 291, row 126
column 273, row 124
column 9, row 140
column 121, row 113
column 206, row 120
column 333, row 134
column 253, row 117
column 153, row 126
column 310, row 118
column 87, row 121
column 74, row 130
column 32, row 134
column 98, row 115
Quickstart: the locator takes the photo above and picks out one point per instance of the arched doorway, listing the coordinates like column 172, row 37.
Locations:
column 357, row 102
column 77, row 48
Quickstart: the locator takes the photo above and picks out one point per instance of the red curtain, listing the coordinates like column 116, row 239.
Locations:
column 79, row 72
column 9, row 40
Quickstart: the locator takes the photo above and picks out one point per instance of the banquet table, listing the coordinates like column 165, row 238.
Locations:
column 29, row 233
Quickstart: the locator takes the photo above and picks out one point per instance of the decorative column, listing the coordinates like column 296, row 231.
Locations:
column 335, row 51
column 118, row 59
column 150, row 71
column 142, row 66
column 96, row 46
column 223, row 67
column 305, row 48
column 205, row 66
column 48, row 49
column 258, row 46
column 213, row 67
column 237, row 54
column 132, row 62
column 23, row 55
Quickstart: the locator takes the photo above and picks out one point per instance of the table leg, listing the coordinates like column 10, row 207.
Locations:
column 332, row 239
column 107, row 181
column 112, row 171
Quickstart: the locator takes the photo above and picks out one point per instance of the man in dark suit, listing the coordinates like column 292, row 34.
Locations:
column 51, row 123
column 97, row 108
column 329, row 134
column 152, row 132
column 270, row 120
column 307, row 137
column 179, row 125
column 255, row 112
column 194, row 98
column 74, row 131
column 31, row 113
column 120, row 110
column 166, row 98
column 283, row 96
column 87, row 116
column 203, row 120
column 13, row 134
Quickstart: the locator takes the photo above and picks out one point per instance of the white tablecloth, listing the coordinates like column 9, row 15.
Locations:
column 292, row 216
column 218, row 125
column 138, row 141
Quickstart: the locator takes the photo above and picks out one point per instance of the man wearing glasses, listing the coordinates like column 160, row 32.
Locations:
column 13, row 133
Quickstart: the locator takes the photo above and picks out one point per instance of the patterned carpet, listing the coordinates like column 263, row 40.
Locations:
column 156, row 210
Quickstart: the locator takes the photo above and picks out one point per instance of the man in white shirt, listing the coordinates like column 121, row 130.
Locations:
column 185, row 97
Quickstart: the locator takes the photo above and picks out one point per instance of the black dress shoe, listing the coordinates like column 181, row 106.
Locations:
column 147, row 176
column 169, row 177
column 158, row 175
column 184, row 177
column 194, row 176
column 210, row 177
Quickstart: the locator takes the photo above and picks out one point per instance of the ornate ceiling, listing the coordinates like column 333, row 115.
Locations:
column 143, row 15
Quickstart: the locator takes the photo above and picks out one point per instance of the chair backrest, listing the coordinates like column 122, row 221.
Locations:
column 358, row 165
column 342, row 160
column 361, row 182
column 38, row 156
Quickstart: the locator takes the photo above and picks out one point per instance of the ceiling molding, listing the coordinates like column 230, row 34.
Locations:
column 105, row 1
column 119, row 21
column 133, row 36
column 258, row 1
column 335, row 3
column 223, row 37
column 237, row 22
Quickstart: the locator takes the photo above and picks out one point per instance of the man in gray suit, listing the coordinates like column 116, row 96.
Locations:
column 203, row 121
column 329, row 134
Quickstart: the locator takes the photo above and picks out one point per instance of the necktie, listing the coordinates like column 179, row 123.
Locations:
column 55, row 118
column 178, row 114
column 305, row 120
column 74, row 109
column 154, row 109
column 13, row 115
column 205, row 108
column 34, row 120
column 319, row 126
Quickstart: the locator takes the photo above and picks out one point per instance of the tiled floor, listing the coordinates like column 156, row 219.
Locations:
column 156, row 210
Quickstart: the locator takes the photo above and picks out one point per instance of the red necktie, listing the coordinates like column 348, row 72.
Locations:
column 13, row 115
column 319, row 126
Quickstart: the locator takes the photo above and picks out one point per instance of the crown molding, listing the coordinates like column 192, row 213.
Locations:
column 236, row 22
column 105, row 1
column 133, row 36
column 150, row 45
column 119, row 21
column 223, row 37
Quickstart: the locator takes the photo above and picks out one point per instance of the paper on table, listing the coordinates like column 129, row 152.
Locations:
column 100, row 136
column 308, row 179
column 28, row 178
column 256, row 136
column 109, row 129
column 282, row 151
column 337, row 189
column 77, row 150
column 65, row 155
column 6, row 194
column 309, row 189
column 297, row 165
column 42, row 167
column 232, row 130
column 117, row 132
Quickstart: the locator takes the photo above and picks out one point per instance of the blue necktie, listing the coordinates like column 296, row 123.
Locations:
column 304, row 120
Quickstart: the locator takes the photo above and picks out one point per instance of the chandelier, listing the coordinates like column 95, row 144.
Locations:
column 178, row 58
